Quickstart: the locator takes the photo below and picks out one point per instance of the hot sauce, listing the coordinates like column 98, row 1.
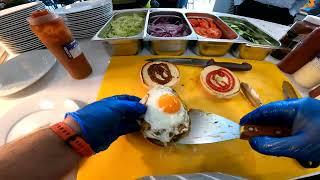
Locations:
column 298, row 31
column 302, row 54
column 56, row 36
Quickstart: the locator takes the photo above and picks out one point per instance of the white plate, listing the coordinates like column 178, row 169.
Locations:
column 23, row 12
column 75, row 18
column 85, row 16
column 16, row 22
column 19, row 8
column 17, row 37
column 26, row 47
column 23, row 42
column 15, row 30
column 106, row 7
column 84, row 32
column 84, row 36
column 81, row 6
column 23, row 70
column 18, row 15
column 85, row 29
column 33, row 114
column 87, row 26
column 23, row 50
column 91, row 21
column 27, row 50
column 20, row 27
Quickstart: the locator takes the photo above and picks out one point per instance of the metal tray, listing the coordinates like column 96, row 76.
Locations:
column 251, row 50
column 124, row 46
column 169, row 45
column 210, row 46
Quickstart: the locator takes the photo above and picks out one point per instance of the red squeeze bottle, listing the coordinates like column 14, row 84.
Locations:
column 302, row 54
column 57, row 37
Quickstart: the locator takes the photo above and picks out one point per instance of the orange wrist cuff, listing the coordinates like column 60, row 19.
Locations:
column 74, row 140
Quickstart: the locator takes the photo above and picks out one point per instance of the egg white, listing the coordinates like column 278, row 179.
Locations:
column 163, row 125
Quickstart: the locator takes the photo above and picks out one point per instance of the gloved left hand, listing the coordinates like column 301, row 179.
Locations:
column 104, row 121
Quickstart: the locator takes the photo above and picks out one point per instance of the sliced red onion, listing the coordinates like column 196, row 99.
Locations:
column 166, row 26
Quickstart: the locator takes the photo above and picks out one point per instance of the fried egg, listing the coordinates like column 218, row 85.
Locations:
column 166, row 118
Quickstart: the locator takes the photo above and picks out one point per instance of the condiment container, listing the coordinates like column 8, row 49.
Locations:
column 213, row 46
column 309, row 75
column 302, row 54
column 123, row 46
column 298, row 31
column 315, row 92
column 169, row 45
column 56, row 36
column 257, row 48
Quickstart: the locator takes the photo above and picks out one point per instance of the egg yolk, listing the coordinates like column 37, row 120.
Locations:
column 169, row 103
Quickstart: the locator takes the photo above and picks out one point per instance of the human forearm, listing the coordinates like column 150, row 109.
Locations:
column 41, row 155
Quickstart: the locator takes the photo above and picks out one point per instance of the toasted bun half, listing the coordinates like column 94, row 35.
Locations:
column 219, row 82
column 159, row 73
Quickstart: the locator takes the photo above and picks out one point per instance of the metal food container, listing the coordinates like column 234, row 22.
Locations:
column 123, row 46
column 169, row 45
column 213, row 47
column 251, row 49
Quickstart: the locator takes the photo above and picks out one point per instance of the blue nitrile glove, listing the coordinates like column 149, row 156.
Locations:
column 104, row 121
column 303, row 115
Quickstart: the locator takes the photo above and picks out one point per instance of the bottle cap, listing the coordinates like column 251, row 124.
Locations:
column 41, row 17
column 312, row 19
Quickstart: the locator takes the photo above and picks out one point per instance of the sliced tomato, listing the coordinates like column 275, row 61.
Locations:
column 194, row 22
column 204, row 23
column 201, row 31
column 214, row 33
column 212, row 24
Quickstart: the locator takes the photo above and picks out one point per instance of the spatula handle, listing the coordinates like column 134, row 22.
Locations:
column 248, row 131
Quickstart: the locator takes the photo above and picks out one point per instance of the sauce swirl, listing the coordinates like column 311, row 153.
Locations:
column 160, row 73
column 220, row 80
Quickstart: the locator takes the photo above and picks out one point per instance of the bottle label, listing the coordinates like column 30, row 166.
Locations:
column 72, row 49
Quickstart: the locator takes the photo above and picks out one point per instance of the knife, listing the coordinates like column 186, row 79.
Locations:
column 210, row 128
column 204, row 63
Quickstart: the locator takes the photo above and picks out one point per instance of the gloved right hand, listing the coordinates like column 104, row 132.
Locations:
column 303, row 115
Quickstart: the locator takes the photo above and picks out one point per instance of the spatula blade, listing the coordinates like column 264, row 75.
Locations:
column 209, row 128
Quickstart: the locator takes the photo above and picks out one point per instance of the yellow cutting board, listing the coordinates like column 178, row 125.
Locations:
column 131, row 156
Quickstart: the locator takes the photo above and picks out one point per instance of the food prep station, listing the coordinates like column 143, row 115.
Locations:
column 243, row 39
column 239, row 38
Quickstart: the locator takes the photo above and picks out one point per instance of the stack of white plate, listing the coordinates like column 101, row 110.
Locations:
column 86, row 18
column 3, row 55
column 15, row 33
